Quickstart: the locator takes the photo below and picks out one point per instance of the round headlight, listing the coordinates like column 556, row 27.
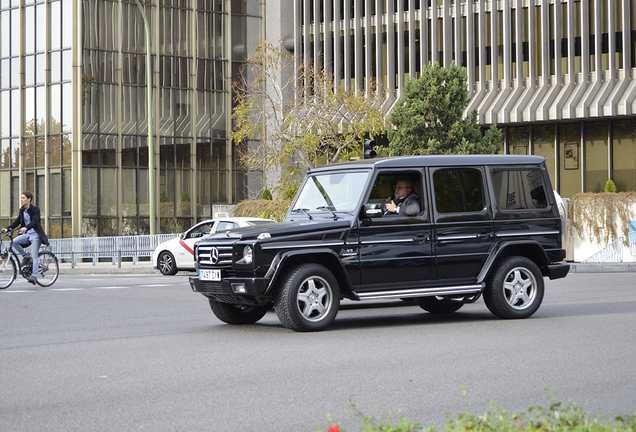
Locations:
column 247, row 254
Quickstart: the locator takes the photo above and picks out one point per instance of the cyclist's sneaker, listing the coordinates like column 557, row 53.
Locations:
column 32, row 279
column 26, row 260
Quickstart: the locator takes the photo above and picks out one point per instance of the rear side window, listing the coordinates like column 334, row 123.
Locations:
column 458, row 190
column 225, row 225
column 519, row 189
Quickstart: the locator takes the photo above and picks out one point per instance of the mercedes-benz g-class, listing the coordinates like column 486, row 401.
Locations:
column 473, row 226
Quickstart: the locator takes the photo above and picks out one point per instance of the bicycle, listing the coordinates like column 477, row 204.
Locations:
column 48, row 270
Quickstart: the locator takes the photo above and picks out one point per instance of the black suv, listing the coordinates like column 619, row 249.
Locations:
column 484, row 225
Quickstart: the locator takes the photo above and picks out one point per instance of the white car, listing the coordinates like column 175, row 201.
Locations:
column 178, row 254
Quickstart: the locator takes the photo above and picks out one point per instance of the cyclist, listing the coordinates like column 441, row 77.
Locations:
column 30, row 232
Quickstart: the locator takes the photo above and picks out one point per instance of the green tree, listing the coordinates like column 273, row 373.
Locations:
column 267, row 195
column 429, row 118
column 298, row 119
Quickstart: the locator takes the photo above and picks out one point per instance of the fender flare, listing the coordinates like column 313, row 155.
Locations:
column 540, row 256
column 280, row 261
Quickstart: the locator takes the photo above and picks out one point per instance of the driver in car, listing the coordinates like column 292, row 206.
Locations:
column 404, row 201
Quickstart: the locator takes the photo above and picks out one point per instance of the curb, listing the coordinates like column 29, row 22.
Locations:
column 602, row 267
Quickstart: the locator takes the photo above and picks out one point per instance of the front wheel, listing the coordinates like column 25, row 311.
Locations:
column 8, row 271
column 308, row 298
column 515, row 290
column 237, row 314
column 48, row 270
column 167, row 265
column 438, row 305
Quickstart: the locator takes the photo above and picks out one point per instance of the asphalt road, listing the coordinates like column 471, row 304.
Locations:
column 143, row 352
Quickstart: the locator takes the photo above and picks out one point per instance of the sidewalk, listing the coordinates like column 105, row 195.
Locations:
column 145, row 267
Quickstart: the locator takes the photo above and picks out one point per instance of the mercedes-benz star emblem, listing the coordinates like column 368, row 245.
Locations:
column 214, row 255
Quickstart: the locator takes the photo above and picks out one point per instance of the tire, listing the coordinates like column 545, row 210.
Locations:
column 308, row 298
column 49, row 269
column 8, row 271
column 515, row 289
column 166, row 263
column 237, row 314
column 438, row 305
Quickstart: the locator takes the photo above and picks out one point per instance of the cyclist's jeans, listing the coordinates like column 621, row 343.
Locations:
column 23, row 240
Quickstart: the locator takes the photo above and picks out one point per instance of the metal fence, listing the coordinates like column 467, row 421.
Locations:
column 611, row 253
column 115, row 248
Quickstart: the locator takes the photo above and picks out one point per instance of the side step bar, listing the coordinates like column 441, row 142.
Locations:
column 420, row 292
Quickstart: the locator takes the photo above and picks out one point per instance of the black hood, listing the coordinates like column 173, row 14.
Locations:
column 282, row 229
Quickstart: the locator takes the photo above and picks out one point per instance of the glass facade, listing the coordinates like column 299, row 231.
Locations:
column 195, row 48
column 36, row 110
column 192, row 56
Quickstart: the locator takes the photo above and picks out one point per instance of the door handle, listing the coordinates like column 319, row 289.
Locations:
column 484, row 235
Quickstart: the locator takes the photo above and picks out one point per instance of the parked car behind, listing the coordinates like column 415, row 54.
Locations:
column 177, row 254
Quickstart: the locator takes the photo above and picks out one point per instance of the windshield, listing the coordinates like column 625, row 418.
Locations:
column 332, row 192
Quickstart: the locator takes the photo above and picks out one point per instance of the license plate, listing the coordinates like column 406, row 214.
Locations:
column 209, row 275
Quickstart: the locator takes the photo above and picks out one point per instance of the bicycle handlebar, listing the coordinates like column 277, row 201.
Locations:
column 7, row 233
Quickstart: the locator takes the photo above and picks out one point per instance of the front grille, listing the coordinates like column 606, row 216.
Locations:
column 217, row 256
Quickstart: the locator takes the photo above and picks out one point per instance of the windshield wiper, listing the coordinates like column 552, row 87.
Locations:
column 302, row 210
column 328, row 208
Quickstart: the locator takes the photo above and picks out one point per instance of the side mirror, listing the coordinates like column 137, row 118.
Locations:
column 373, row 210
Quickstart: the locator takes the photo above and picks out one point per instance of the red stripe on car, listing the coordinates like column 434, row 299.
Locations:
column 186, row 247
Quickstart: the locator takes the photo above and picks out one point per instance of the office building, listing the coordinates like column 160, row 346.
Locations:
column 558, row 76
column 74, row 126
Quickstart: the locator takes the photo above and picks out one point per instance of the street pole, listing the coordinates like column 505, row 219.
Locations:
column 151, row 148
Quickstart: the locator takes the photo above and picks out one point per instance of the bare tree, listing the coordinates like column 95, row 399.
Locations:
column 300, row 121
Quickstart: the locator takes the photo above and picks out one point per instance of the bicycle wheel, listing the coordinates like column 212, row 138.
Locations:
column 8, row 271
column 49, row 269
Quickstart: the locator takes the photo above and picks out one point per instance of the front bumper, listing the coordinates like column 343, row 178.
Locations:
column 234, row 290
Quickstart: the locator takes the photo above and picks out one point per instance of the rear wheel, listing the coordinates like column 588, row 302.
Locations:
column 167, row 265
column 8, row 271
column 515, row 289
column 238, row 314
column 438, row 305
column 308, row 299
column 48, row 270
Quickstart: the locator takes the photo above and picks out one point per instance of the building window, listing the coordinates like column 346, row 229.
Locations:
column 519, row 139
column 543, row 137
column 624, row 155
column 596, row 156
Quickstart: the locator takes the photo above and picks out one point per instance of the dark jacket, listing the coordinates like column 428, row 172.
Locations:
column 34, row 212
column 409, row 207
